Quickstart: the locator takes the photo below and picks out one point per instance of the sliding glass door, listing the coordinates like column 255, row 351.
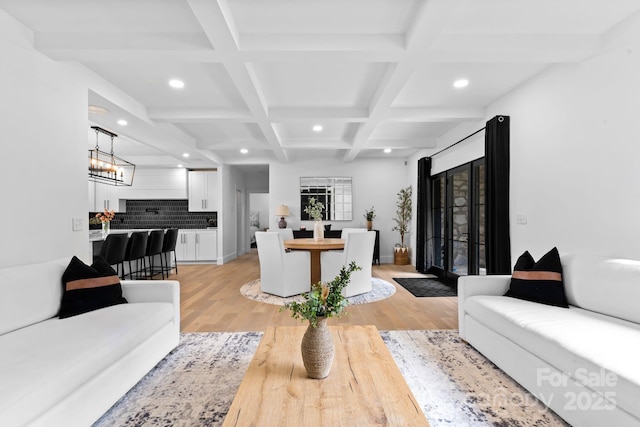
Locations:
column 458, row 221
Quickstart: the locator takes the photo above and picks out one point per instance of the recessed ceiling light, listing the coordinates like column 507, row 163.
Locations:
column 317, row 128
column 244, row 150
column 461, row 83
column 387, row 150
column 185, row 154
column 122, row 122
column 176, row 84
column 96, row 109
column 180, row 166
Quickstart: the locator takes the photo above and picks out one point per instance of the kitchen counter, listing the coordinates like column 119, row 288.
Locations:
column 188, row 249
column 97, row 236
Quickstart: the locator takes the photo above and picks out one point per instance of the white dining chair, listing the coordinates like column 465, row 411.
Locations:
column 358, row 247
column 282, row 273
column 286, row 233
column 346, row 231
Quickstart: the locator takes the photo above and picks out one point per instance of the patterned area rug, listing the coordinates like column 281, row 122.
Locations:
column 380, row 289
column 454, row 384
column 425, row 287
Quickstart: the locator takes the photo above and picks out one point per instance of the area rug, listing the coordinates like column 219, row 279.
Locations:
column 453, row 383
column 425, row 287
column 380, row 289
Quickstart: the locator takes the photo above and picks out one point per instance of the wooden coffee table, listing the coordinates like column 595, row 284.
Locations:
column 365, row 386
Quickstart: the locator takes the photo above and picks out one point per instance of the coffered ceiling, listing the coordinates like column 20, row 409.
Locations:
column 259, row 74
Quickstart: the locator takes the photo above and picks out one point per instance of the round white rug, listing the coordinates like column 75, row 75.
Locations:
column 380, row 289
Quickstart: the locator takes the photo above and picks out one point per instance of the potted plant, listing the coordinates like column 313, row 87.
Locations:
column 314, row 209
column 402, row 220
column 369, row 215
column 325, row 300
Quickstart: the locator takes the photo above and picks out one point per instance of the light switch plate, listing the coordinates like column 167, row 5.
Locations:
column 521, row 219
column 77, row 224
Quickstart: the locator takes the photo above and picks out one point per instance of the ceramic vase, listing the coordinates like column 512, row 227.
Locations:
column 369, row 225
column 318, row 231
column 318, row 350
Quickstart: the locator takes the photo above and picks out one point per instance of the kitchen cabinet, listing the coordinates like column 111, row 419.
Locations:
column 203, row 194
column 197, row 245
column 102, row 196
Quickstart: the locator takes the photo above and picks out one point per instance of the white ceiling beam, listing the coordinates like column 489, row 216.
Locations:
column 434, row 114
column 217, row 23
column 343, row 114
column 133, row 55
column 429, row 22
column 337, row 144
column 401, row 143
column 321, row 42
column 214, row 157
column 192, row 47
column 121, row 41
column 232, row 144
column 625, row 32
column 198, row 115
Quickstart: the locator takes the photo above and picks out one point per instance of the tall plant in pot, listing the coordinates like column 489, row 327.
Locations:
column 314, row 210
column 402, row 220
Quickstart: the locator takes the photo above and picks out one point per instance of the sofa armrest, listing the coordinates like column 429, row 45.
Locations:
column 478, row 285
column 154, row 291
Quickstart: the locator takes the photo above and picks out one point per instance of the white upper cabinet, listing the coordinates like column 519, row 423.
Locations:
column 102, row 196
column 203, row 194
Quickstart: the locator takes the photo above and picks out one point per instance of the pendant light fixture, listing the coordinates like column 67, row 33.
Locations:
column 108, row 168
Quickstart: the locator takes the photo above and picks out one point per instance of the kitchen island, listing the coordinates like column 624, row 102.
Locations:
column 193, row 245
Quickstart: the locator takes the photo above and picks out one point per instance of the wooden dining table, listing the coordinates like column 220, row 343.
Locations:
column 315, row 247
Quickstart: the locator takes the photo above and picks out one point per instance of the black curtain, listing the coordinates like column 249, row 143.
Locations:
column 496, row 151
column 424, row 221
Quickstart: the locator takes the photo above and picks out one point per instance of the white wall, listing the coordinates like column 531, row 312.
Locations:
column 231, row 234
column 574, row 157
column 44, row 149
column 574, row 152
column 376, row 182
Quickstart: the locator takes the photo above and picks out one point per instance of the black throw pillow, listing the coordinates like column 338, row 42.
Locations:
column 539, row 281
column 88, row 288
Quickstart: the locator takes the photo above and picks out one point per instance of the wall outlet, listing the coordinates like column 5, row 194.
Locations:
column 77, row 224
column 521, row 219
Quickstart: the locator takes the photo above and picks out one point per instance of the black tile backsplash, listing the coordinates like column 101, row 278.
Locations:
column 160, row 214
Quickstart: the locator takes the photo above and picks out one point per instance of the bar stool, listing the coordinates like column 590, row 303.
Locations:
column 113, row 250
column 154, row 247
column 136, row 251
column 169, row 245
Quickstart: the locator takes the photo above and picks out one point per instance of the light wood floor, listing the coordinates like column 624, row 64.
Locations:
column 211, row 301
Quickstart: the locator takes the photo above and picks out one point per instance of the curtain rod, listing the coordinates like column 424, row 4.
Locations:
column 456, row 143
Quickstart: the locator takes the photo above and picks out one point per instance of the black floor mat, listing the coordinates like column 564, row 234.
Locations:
column 423, row 287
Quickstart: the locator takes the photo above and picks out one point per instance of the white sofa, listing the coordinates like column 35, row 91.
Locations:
column 68, row 372
column 583, row 362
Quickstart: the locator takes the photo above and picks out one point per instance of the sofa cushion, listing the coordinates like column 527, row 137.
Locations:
column 538, row 281
column 574, row 340
column 89, row 288
column 605, row 285
column 30, row 293
column 51, row 359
